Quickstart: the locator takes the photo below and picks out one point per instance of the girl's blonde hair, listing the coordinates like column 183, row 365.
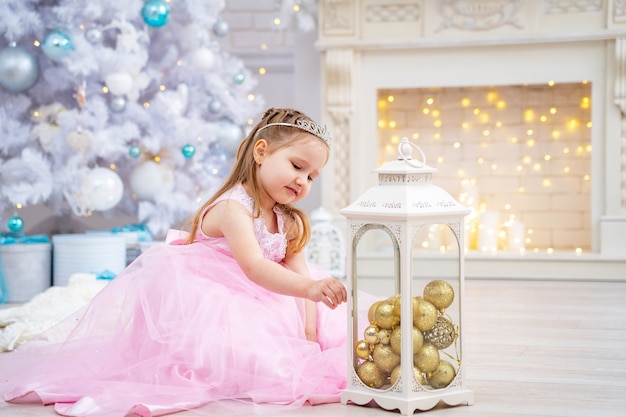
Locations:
column 245, row 170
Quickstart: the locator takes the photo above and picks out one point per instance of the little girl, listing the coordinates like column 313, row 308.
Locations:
column 229, row 311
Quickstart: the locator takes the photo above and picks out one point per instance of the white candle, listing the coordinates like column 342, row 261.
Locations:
column 488, row 231
column 516, row 236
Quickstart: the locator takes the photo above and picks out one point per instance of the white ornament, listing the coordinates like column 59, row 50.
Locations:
column 119, row 83
column 104, row 188
column 150, row 178
column 202, row 58
column 80, row 140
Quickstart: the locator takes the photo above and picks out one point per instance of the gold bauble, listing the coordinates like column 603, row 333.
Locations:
column 420, row 376
column 370, row 334
column 443, row 375
column 424, row 314
column 385, row 358
column 384, row 316
column 396, row 340
column 442, row 334
column 362, row 349
column 397, row 306
column 383, row 336
column 427, row 358
column 439, row 293
column 370, row 375
column 395, row 374
column 395, row 302
column 372, row 310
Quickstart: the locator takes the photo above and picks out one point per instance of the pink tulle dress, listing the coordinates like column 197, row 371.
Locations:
column 180, row 327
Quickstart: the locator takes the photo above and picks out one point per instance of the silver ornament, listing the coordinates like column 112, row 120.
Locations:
column 19, row 69
column 229, row 135
column 220, row 28
column 215, row 106
column 117, row 103
column 93, row 36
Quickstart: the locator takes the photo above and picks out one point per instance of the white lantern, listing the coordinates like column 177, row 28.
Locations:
column 400, row 363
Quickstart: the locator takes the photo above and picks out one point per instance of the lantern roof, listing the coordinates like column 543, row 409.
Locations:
column 405, row 190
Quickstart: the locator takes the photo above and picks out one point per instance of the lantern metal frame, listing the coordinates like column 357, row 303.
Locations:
column 403, row 204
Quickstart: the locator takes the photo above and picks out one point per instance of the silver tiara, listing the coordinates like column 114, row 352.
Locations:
column 308, row 126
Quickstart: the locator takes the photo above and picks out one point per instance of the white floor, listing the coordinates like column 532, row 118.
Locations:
column 532, row 349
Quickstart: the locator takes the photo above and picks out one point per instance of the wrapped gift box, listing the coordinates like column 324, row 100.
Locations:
column 90, row 253
column 25, row 268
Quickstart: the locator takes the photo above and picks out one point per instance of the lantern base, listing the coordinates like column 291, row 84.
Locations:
column 390, row 401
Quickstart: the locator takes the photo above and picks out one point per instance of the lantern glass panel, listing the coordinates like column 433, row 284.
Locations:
column 375, row 357
column 436, row 269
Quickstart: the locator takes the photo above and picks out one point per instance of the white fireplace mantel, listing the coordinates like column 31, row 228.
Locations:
column 367, row 45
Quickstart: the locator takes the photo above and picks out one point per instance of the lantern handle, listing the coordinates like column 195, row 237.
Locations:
column 405, row 152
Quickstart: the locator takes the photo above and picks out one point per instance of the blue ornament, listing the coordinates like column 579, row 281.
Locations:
column 16, row 224
column 156, row 13
column 188, row 151
column 239, row 78
column 57, row 45
column 19, row 69
column 134, row 151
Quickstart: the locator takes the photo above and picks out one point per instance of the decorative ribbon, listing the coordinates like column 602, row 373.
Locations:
column 143, row 233
column 106, row 275
column 12, row 238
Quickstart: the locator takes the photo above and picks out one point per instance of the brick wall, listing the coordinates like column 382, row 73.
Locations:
column 522, row 152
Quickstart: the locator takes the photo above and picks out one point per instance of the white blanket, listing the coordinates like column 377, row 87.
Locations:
column 22, row 322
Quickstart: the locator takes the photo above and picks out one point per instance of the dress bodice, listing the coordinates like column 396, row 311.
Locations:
column 273, row 245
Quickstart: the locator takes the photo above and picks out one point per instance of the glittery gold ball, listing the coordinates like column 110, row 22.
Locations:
column 427, row 358
column 420, row 376
column 385, row 358
column 396, row 340
column 370, row 375
column 395, row 374
column 372, row 310
column 362, row 349
column 439, row 293
column 383, row 336
column 424, row 314
column 370, row 334
column 442, row 334
column 443, row 375
column 384, row 317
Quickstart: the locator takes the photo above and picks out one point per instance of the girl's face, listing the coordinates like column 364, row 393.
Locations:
column 286, row 174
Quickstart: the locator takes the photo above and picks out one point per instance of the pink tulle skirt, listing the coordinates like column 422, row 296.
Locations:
column 181, row 327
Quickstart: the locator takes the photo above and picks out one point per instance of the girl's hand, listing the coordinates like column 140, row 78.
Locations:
column 328, row 291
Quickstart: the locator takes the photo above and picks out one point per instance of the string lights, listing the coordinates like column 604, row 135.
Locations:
column 517, row 156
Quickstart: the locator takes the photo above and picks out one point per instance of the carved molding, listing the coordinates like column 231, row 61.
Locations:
column 383, row 13
column 572, row 6
column 339, row 70
column 619, row 11
column 479, row 15
column 338, row 17
column 620, row 102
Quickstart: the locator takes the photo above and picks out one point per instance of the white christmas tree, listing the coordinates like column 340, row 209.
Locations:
column 125, row 107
